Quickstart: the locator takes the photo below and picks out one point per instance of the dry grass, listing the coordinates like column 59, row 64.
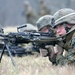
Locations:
column 10, row 29
column 31, row 65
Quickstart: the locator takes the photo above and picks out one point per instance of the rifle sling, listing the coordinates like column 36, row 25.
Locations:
column 68, row 38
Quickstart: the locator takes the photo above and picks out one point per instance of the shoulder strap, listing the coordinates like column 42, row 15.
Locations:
column 69, row 37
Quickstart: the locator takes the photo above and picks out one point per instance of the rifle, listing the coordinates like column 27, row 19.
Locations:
column 25, row 37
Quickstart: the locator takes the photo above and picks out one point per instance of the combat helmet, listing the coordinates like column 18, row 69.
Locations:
column 65, row 15
column 44, row 21
column 27, row 27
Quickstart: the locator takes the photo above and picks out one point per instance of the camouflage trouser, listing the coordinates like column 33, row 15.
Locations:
column 69, row 59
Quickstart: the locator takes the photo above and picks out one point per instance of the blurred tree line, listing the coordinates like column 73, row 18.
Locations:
column 17, row 12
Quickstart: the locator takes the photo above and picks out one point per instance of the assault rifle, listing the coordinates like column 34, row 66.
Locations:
column 25, row 37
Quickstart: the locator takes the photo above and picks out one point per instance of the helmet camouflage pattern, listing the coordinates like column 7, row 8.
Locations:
column 64, row 15
column 44, row 21
column 28, row 27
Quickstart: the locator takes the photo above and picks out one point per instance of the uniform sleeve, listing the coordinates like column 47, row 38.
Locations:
column 73, row 42
column 68, row 59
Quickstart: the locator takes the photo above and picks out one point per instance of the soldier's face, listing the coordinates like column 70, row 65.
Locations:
column 45, row 29
column 60, row 29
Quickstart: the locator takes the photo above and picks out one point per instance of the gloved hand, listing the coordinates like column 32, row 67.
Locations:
column 51, row 53
column 50, row 49
column 59, row 52
column 59, row 49
column 54, row 52
column 54, row 49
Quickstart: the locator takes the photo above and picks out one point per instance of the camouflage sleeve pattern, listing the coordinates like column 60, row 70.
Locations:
column 73, row 42
column 69, row 58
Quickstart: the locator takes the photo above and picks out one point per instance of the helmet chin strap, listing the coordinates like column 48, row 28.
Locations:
column 66, row 28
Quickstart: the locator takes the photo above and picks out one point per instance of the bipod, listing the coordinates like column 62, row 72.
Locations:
column 6, row 46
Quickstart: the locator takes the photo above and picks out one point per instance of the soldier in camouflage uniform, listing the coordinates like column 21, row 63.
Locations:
column 43, row 22
column 43, row 8
column 28, row 28
column 29, row 13
column 65, row 27
column 44, row 25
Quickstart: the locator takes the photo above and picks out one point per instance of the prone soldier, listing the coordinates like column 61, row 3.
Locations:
column 65, row 27
column 28, row 28
column 44, row 25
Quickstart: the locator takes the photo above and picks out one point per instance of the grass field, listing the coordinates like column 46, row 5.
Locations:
column 32, row 65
